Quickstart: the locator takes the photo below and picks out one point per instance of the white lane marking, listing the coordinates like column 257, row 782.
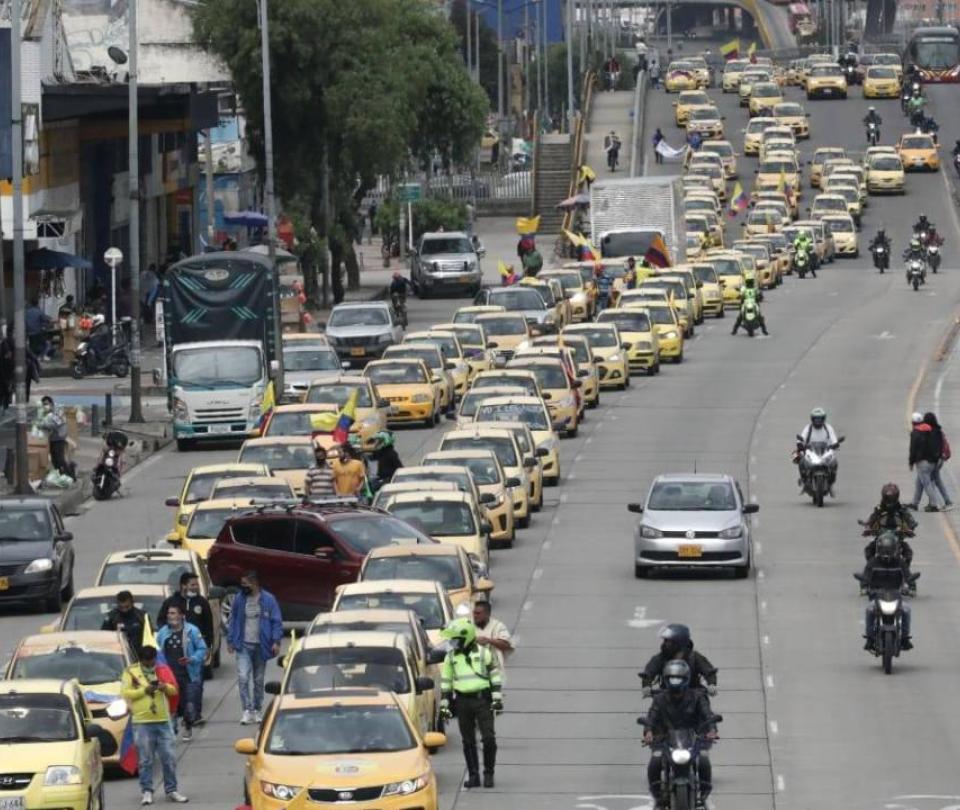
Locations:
column 528, row 604
column 953, row 210
column 766, row 641
column 537, row 573
column 884, row 335
column 547, row 544
column 753, row 478
column 756, row 523
column 589, row 440
column 753, row 459
column 760, row 573
column 774, row 728
column 640, row 620
column 758, row 547
column 563, row 498
column 769, row 681
column 781, row 785
column 773, row 397
column 556, row 521
column 763, row 606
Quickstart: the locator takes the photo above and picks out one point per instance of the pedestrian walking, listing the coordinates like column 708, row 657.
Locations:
column 492, row 632
column 319, row 480
column 52, row 422
column 184, row 650
column 655, row 75
column 127, row 618
column 471, row 682
column 657, row 137
column 254, row 634
column 924, row 457
column 930, row 418
column 349, row 472
column 38, row 327
column 147, row 688
column 194, row 606
column 471, row 216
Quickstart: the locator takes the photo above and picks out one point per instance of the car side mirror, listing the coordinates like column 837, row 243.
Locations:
column 481, row 252
column 435, row 378
column 492, row 344
column 282, row 661
column 487, row 498
column 345, row 365
column 174, row 541
column 172, row 502
column 635, row 507
column 510, row 482
column 751, row 508
column 272, row 687
column 434, row 739
column 626, row 346
column 583, row 372
column 108, row 745
column 484, row 585
column 546, row 395
column 436, row 655
column 246, row 746
column 383, row 403
column 529, row 463
column 486, row 526
column 65, row 537
column 423, row 684
column 450, row 364
column 576, row 384
column 542, row 452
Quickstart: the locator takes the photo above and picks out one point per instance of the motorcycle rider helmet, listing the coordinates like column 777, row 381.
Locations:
column 915, row 243
column 889, row 496
column 673, row 639
column 871, row 109
column 818, row 416
column 382, row 439
column 887, row 544
column 460, row 633
column 676, row 676
column 98, row 320
column 749, row 279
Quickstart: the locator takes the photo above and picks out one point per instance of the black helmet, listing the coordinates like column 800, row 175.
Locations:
column 890, row 495
column 676, row 676
column 674, row 638
column 887, row 546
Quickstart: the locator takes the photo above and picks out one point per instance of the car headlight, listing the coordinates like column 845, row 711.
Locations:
column 39, row 566
column 407, row 786
column 732, row 533
column 384, row 340
column 548, row 444
column 63, row 775
column 420, row 398
column 650, row 533
column 550, row 317
column 671, row 334
column 616, row 357
column 283, row 792
column 180, row 411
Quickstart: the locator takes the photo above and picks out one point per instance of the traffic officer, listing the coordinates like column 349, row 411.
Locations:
column 470, row 679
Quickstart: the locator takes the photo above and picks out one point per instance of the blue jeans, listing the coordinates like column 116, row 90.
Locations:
column 925, row 471
column 191, row 702
column 250, row 668
column 938, row 483
column 154, row 739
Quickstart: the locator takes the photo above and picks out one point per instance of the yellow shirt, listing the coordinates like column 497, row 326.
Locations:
column 348, row 476
column 146, row 708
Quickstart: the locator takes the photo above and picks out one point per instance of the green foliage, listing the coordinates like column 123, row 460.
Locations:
column 428, row 215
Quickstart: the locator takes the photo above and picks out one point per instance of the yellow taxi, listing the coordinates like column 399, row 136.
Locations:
column 297, row 420
column 825, row 80
column 732, row 71
column 694, row 204
column 844, row 230
column 90, row 606
column 694, row 293
column 197, row 488
column 581, row 296
column 334, row 392
column 95, row 658
column 410, row 389
column 766, row 272
column 794, row 75
column 470, row 314
column 727, row 154
column 505, row 332
column 753, row 75
column 473, row 341
column 753, row 133
column 790, row 114
column 828, row 204
column 696, row 244
column 706, row 120
column 208, row 518
column 701, row 70
column 892, row 60
column 552, row 298
column 287, row 457
column 694, row 223
column 767, row 195
column 472, row 399
column 851, row 193
column 610, row 351
column 510, row 378
column 427, row 598
column 711, row 290
column 779, row 250
column 57, row 759
column 450, row 517
column 762, row 221
column 445, row 563
column 255, row 488
column 918, row 152
column 332, row 745
column 506, row 448
column 533, row 412
column 530, row 451
column 778, row 205
column 820, row 158
column 640, row 340
column 729, row 268
column 680, row 76
column 854, row 176
column 586, row 364
column 764, row 97
column 663, row 316
column 452, row 353
column 870, row 151
column 676, row 294
column 881, row 81
column 779, row 167
column 885, row 174
column 432, row 357
column 716, row 181
column 559, row 388
column 494, row 485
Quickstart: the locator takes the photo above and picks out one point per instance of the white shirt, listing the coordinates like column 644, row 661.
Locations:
column 497, row 630
column 811, row 434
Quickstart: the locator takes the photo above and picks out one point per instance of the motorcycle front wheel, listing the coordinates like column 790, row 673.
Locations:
column 77, row 369
column 121, row 368
column 888, row 644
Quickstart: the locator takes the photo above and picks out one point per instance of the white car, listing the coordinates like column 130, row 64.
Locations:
column 362, row 330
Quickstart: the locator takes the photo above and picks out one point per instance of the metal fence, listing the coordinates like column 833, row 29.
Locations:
column 486, row 185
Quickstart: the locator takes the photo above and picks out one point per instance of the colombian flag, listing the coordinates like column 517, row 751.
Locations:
column 508, row 273
column 738, row 200
column 128, row 751
column 527, row 226
column 731, row 50
column 657, row 254
column 348, row 415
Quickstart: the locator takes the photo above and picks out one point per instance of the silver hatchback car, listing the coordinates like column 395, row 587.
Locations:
column 692, row 521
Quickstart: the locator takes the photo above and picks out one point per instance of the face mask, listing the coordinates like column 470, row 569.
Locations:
column 192, row 593
column 247, row 590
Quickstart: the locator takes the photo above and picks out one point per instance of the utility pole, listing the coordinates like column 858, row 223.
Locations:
column 569, row 65
column 582, row 30
column 669, row 32
column 476, row 43
column 546, row 64
column 526, row 58
column 211, row 208
column 3, row 289
column 539, row 60
column 469, row 48
column 19, row 281
column 268, row 193
column 133, row 176
column 500, row 99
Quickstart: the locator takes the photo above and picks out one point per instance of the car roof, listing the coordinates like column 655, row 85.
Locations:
column 147, row 554
column 430, row 469
column 697, row 476
column 419, row 550
column 236, row 466
column 514, row 399
column 391, row 586
column 94, row 639
column 111, row 591
column 362, row 305
column 463, row 452
column 427, row 495
column 37, row 686
column 351, row 638
column 366, row 614
column 252, row 481
column 304, row 407
column 338, row 697
column 225, row 503
column 340, row 379
column 404, row 487
column 37, row 503
column 269, row 440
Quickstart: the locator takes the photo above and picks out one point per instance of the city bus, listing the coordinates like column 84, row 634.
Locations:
column 935, row 52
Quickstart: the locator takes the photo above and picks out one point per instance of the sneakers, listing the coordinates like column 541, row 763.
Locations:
column 177, row 797
column 906, row 644
column 146, row 797
column 246, row 718
column 913, row 506
column 930, row 508
column 187, row 735
column 947, row 506
column 257, row 717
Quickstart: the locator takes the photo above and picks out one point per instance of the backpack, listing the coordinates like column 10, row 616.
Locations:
column 945, row 451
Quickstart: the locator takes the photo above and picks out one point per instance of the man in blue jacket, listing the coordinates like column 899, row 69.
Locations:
column 254, row 634
column 184, row 650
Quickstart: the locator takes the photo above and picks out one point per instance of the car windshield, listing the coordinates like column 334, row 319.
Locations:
column 201, row 484
column 310, row 360
column 291, row 423
column 221, row 367
column 829, row 204
column 695, row 204
column 36, row 718
column 339, row 729
column 358, row 316
column 348, row 668
column 339, row 393
column 447, row 345
column 87, row 666
column 788, row 110
column 89, row 614
column 327, row 623
column 445, row 569
column 363, row 531
column 764, row 217
column 882, row 73
column 826, row 70
column 841, row 225
column 735, row 67
column 698, row 97
column 721, row 149
column 886, row 164
column 887, row 59
column 821, row 157
column 502, row 446
column 569, row 281
column 916, row 142
column 279, row 456
column 471, row 400
column 662, row 315
column 436, row 517
column 427, row 606
column 396, row 374
column 692, row 496
column 628, row 320
column 505, row 326
column 936, row 52
column 280, row 490
column 206, row 524
column 429, row 354
column 528, row 384
column 531, row 414
column 145, row 572
column 581, row 354
column 705, row 274
column 765, row 90
column 727, row 267
column 771, row 166
column 483, row 470
column 24, row 524
column 599, row 338
column 470, row 336
column 848, row 193
column 516, row 298
column 449, row 244
column 759, row 125
column 549, row 375
column 462, row 480
column 704, row 114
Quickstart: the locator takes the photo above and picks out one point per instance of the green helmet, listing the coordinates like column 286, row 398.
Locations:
column 818, row 416
column 915, row 243
column 383, row 438
column 462, row 630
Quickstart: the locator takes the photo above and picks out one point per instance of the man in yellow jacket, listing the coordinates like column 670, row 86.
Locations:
column 147, row 687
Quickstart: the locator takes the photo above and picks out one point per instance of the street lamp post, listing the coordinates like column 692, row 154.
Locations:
column 569, row 65
column 113, row 257
column 500, row 99
column 133, row 173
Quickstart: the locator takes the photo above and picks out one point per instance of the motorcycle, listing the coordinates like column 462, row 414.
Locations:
column 113, row 359
column 909, row 587
column 750, row 317
column 915, row 273
column 933, row 256
column 817, row 460
column 850, row 74
column 885, row 590
column 106, row 474
column 873, row 134
column 881, row 258
column 801, row 263
column 680, row 759
column 399, row 304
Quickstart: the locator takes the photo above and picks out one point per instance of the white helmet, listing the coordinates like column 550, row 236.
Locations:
column 98, row 320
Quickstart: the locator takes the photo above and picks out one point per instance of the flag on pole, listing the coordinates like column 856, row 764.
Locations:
column 752, row 49
column 668, row 152
column 657, row 254
column 347, row 416
column 267, row 404
column 526, row 226
column 738, row 200
column 731, row 50
column 129, row 758
column 508, row 274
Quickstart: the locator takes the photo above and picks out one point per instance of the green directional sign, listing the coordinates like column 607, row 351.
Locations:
column 410, row 192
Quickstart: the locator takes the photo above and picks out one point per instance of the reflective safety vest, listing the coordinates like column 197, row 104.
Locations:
column 471, row 672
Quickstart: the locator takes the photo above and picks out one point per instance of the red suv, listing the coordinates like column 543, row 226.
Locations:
column 303, row 553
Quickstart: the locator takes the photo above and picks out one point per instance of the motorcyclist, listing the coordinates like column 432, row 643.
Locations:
column 612, row 144
column 802, row 243
column 678, row 708
column 604, row 282
column 399, row 286
column 889, row 515
column 676, row 645
column 888, row 556
column 956, row 149
column 99, row 341
column 881, row 240
column 915, row 106
column 915, row 251
column 817, row 430
column 750, row 301
column 872, row 117
column 385, row 454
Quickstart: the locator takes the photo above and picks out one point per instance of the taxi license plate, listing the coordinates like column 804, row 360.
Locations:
column 688, row 551
column 15, row 803
column 358, row 351
column 828, row 91
column 4, row 583
column 466, row 279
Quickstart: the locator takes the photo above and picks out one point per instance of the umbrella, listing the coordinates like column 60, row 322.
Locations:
column 46, row 259
column 251, row 219
column 574, row 201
